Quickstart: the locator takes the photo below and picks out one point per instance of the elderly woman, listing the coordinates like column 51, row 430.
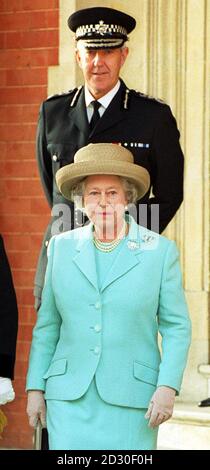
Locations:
column 110, row 287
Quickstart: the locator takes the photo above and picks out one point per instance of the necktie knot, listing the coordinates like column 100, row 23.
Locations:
column 96, row 116
column 96, row 105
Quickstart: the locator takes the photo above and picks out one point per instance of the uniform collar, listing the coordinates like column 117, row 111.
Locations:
column 113, row 115
column 104, row 100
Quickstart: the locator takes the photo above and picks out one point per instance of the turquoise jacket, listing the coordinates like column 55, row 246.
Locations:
column 111, row 332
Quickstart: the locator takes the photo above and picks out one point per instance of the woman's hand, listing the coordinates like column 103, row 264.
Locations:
column 161, row 406
column 36, row 408
column 7, row 393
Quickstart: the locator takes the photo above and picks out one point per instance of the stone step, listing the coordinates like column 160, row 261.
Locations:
column 188, row 429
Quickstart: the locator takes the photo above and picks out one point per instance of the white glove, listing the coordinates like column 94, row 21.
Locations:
column 161, row 406
column 36, row 408
column 7, row 393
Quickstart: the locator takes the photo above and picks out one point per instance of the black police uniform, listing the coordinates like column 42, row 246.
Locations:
column 142, row 124
column 8, row 317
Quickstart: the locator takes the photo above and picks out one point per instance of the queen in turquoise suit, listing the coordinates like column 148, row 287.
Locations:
column 110, row 288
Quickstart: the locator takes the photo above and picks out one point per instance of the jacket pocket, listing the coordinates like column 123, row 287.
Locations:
column 56, row 368
column 145, row 373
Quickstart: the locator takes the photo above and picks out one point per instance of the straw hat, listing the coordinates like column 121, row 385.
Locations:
column 102, row 159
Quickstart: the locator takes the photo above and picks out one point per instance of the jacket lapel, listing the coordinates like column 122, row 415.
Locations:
column 85, row 257
column 78, row 115
column 125, row 261
column 113, row 114
column 130, row 255
column 127, row 258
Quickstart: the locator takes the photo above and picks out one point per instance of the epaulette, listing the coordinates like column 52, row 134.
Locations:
column 149, row 97
column 58, row 95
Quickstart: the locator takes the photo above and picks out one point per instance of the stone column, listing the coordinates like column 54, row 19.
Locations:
column 195, row 239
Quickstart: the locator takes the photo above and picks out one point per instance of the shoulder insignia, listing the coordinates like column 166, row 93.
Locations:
column 149, row 97
column 76, row 96
column 58, row 95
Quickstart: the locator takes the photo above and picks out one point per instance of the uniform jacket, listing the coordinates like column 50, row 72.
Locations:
column 143, row 125
column 8, row 317
column 111, row 332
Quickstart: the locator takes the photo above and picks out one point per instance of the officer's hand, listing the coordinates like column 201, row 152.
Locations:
column 161, row 406
column 7, row 393
column 36, row 408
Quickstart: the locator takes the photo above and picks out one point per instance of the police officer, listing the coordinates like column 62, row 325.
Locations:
column 105, row 110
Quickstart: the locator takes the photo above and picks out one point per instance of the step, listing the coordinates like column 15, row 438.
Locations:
column 188, row 429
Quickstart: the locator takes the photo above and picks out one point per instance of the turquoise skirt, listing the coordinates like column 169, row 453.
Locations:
column 90, row 423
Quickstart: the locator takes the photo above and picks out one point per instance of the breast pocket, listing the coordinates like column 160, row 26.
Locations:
column 61, row 154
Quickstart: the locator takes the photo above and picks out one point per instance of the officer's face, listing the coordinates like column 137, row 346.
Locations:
column 100, row 68
column 105, row 201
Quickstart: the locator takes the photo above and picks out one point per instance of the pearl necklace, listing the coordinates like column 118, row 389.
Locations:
column 106, row 247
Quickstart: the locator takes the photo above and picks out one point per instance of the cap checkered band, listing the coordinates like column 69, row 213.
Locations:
column 100, row 28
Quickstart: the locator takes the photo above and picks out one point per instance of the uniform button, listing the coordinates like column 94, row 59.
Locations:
column 55, row 158
column 97, row 350
column 97, row 305
column 97, row 328
column 47, row 243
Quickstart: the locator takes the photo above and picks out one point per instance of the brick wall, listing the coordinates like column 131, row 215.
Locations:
column 29, row 44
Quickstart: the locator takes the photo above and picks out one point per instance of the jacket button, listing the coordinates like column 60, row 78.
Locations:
column 97, row 328
column 46, row 243
column 97, row 350
column 97, row 305
column 55, row 158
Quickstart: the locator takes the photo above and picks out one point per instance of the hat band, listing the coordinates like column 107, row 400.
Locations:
column 100, row 28
column 102, row 43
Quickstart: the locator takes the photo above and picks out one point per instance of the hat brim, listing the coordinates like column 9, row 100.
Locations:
column 105, row 43
column 68, row 176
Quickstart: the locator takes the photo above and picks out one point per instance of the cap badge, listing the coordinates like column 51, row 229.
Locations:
column 101, row 28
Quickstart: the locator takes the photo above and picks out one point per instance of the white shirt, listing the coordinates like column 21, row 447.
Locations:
column 104, row 100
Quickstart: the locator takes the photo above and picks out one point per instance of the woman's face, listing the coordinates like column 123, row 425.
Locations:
column 105, row 200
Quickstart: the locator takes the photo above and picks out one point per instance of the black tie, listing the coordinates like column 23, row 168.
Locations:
column 96, row 116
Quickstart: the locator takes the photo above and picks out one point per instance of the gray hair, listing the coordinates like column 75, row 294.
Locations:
column 78, row 190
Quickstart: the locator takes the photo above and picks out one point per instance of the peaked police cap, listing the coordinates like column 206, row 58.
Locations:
column 101, row 27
